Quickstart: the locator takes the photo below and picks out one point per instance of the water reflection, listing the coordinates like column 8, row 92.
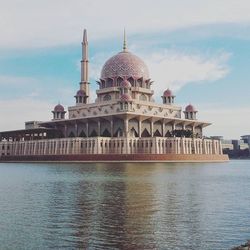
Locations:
column 110, row 207
column 124, row 206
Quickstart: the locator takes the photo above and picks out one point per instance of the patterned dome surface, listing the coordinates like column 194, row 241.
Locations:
column 190, row 108
column 124, row 64
column 59, row 108
column 80, row 93
column 168, row 93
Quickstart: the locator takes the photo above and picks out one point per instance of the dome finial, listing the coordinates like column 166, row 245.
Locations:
column 124, row 41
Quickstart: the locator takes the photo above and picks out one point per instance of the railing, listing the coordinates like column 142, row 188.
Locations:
column 106, row 145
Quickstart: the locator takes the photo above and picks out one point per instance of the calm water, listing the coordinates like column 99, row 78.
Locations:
column 124, row 206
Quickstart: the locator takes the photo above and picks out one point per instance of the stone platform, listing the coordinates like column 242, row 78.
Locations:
column 116, row 158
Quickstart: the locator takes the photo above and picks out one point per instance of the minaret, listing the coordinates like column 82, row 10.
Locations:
column 84, row 84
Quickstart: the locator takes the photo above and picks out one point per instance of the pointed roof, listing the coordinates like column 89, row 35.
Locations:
column 124, row 41
column 85, row 38
column 59, row 108
column 168, row 93
column 190, row 108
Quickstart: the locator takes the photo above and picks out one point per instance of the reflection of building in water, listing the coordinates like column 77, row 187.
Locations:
column 123, row 120
column 110, row 207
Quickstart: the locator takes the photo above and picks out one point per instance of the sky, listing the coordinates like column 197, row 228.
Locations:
column 200, row 49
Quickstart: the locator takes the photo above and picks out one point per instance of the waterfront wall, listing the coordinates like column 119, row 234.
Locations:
column 105, row 145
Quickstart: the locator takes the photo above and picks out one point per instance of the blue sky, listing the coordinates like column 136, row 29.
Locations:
column 200, row 49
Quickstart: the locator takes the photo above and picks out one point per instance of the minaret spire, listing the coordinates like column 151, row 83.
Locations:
column 84, row 84
column 124, row 41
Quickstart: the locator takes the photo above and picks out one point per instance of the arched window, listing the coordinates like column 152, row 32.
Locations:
column 143, row 97
column 139, row 82
column 132, row 81
column 102, row 84
column 107, row 98
column 109, row 82
column 126, row 106
column 119, row 80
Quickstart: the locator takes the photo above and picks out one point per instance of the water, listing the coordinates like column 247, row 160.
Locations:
column 124, row 206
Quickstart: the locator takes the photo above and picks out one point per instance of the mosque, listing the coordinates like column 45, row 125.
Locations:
column 123, row 124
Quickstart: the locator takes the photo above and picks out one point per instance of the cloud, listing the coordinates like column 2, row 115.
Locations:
column 16, row 112
column 175, row 69
column 17, row 81
column 26, row 24
column 230, row 122
column 13, row 87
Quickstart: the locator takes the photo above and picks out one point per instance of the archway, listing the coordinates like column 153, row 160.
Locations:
column 133, row 132
column 157, row 133
column 82, row 134
column 71, row 134
column 145, row 133
column 106, row 133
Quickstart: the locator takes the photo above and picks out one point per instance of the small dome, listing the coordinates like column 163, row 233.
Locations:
column 59, row 108
column 190, row 108
column 80, row 93
column 124, row 64
column 126, row 98
column 125, row 84
column 167, row 93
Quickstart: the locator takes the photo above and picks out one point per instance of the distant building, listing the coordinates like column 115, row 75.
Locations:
column 240, row 145
column 233, row 147
column 246, row 139
column 227, row 144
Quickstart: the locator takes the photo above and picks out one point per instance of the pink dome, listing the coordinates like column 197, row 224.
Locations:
column 80, row 93
column 126, row 98
column 124, row 64
column 190, row 108
column 167, row 93
column 59, row 108
column 125, row 84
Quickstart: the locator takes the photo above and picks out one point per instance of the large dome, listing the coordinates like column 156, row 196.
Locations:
column 124, row 64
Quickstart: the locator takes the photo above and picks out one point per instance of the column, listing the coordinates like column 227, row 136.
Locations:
column 35, row 145
column 126, row 127
column 193, row 130
column 163, row 128
column 220, row 148
column 25, row 148
column 97, row 146
column 156, row 146
column 139, row 123
column 87, row 129
column 125, row 141
column 56, row 146
column 76, row 129
column 98, row 128
column 152, row 128
column 173, row 127
column 68, row 143
column 65, row 130
column 184, row 127
column 111, row 127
